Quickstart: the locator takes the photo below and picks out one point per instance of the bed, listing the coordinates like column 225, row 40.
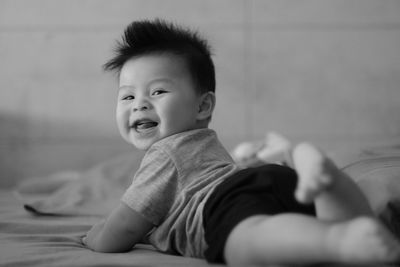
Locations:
column 42, row 219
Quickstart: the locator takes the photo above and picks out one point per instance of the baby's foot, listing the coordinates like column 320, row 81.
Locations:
column 315, row 172
column 365, row 240
column 275, row 150
column 245, row 154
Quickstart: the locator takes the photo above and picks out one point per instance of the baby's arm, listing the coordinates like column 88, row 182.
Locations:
column 122, row 229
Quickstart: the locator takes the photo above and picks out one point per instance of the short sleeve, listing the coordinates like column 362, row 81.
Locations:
column 154, row 185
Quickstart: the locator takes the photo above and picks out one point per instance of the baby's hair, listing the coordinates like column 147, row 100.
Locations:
column 158, row 36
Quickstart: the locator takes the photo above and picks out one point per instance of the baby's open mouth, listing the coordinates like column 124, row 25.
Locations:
column 144, row 124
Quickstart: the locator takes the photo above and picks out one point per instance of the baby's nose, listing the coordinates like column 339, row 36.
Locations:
column 140, row 108
column 141, row 105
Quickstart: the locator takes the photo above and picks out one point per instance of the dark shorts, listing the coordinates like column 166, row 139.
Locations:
column 268, row 189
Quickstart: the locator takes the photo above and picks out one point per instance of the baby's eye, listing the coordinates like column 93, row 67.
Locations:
column 159, row 92
column 128, row 97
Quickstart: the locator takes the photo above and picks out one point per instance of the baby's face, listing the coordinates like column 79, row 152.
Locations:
column 156, row 99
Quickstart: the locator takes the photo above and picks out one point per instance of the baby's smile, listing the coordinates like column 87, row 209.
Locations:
column 144, row 125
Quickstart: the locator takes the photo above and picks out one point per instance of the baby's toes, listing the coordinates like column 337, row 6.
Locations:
column 324, row 180
column 306, row 194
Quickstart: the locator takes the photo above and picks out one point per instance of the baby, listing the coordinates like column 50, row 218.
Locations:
column 190, row 198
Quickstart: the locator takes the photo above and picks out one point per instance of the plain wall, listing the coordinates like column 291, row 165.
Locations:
column 315, row 69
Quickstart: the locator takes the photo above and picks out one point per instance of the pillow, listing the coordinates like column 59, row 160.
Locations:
column 390, row 216
column 378, row 177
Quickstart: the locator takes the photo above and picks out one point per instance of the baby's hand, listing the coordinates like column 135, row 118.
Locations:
column 89, row 240
column 83, row 240
column 122, row 229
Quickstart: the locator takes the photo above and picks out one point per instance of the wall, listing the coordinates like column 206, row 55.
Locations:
column 316, row 69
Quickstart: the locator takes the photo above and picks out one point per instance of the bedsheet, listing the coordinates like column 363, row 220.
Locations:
column 42, row 221
column 35, row 240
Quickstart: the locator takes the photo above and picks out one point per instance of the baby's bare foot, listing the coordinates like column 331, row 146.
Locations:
column 316, row 172
column 365, row 240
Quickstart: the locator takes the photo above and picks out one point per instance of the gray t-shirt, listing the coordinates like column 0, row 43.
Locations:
column 175, row 178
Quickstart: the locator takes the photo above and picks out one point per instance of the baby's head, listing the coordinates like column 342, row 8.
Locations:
column 166, row 82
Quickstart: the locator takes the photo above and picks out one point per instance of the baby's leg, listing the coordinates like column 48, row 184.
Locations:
column 300, row 239
column 345, row 230
column 334, row 193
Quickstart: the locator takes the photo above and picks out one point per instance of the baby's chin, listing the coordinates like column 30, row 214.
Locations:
column 138, row 144
column 143, row 145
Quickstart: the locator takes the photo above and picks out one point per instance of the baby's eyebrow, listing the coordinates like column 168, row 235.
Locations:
column 153, row 81
column 126, row 87
column 161, row 80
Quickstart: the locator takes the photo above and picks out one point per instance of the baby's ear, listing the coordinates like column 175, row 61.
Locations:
column 206, row 106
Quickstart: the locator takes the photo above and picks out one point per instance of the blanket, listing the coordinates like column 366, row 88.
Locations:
column 80, row 193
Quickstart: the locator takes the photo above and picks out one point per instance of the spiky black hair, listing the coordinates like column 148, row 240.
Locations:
column 158, row 36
